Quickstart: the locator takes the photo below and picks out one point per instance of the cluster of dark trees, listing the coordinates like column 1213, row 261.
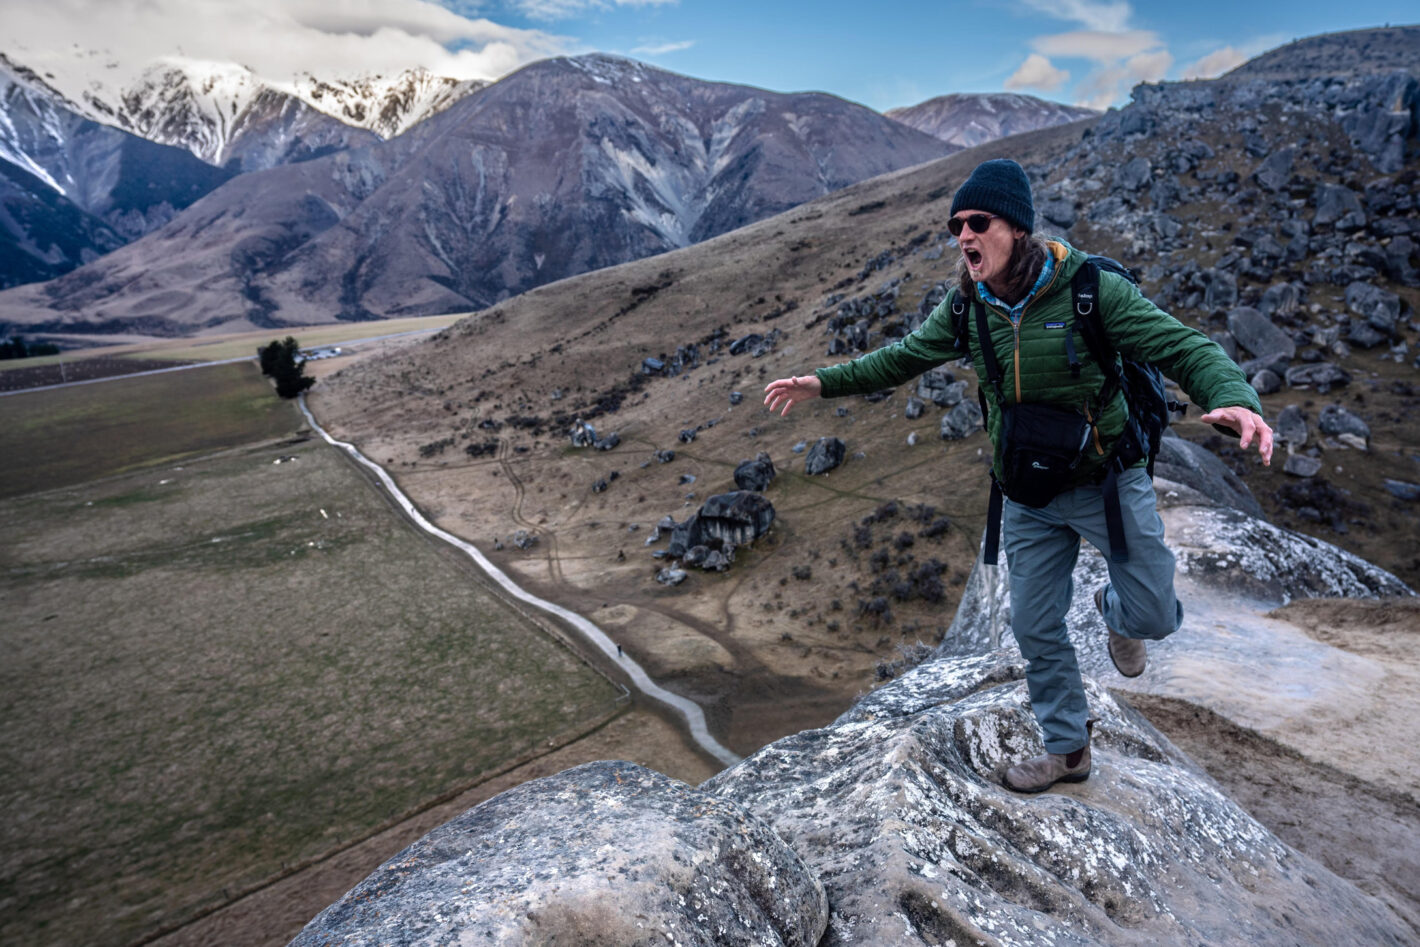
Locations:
column 281, row 362
column 17, row 347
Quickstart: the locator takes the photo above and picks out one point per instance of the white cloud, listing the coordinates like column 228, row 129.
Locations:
column 1105, row 87
column 1103, row 47
column 661, row 49
column 565, row 9
column 1111, row 17
column 1037, row 72
column 274, row 38
column 1215, row 64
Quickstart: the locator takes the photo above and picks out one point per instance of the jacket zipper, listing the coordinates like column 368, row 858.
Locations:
column 1016, row 332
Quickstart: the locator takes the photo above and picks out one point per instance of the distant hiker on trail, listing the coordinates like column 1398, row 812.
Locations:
column 1069, row 455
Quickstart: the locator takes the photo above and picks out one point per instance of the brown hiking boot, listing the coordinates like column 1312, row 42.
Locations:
column 1128, row 654
column 1039, row 773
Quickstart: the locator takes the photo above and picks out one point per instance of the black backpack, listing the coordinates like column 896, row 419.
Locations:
column 1150, row 407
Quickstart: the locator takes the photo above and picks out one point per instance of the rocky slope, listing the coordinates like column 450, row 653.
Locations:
column 565, row 166
column 1357, row 51
column 973, row 119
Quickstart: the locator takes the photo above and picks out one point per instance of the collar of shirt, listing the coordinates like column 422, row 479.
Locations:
column 1015, row 311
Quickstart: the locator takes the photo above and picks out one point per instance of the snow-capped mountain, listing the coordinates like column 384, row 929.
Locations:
column 565, row 166
column 30, row 111
column 970, row 119
column 385, row 105
column 72, row 189
column 229, row 116
column 221, row 112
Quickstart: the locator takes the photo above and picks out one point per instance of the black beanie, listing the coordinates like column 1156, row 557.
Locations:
column 1000, row 187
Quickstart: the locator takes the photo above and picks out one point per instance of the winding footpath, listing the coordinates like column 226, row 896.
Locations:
column 694, row 716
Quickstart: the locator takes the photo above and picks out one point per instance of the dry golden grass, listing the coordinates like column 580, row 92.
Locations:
column 230, row 666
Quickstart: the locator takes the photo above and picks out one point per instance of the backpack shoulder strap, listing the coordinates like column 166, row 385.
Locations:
column 1085, row 294
column 961, row 328
column 988, row 353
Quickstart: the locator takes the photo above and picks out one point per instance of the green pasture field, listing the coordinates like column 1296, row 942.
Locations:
column 219, row 668
column 65, row 436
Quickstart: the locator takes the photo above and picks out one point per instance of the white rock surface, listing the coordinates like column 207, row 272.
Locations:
column 607, row 854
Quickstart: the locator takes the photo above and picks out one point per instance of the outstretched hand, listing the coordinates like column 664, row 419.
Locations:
column 790, row 391
column 1248, row 424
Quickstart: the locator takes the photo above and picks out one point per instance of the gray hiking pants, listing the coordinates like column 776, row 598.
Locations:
column 1041, row 548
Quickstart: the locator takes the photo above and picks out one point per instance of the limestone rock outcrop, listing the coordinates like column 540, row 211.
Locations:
column 898, row 808
column 606, row 853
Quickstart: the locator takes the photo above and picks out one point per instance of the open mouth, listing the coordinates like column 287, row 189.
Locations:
column 973, row 257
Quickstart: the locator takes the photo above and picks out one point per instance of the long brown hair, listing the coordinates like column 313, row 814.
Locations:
column 1022, row 270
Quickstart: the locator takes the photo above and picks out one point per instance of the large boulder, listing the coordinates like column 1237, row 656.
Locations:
column 1197, row 467
column 1222, row 291
column 755, row 474
column 737, row 517
column 1291, row 428
column 1133, row 174
column 961, row 421
column 897, row 811
column 1336, row 420
column 1380, row 309
column 607, row 853
column 1283, row 299
column 1338, row 206
column 898, row 808
column 825, row 455
column 932, row 381
column 724, row 521
column 1322, row 376
column 1058, row 211
column 1276, row 170
column 1381, row 122
column 582, row 434
column 1256, row 333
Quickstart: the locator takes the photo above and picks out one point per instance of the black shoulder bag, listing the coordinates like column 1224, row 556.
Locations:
column 1040, row 443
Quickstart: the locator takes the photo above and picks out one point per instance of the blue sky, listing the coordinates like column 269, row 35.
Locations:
column 889, row 54
column 883, row 54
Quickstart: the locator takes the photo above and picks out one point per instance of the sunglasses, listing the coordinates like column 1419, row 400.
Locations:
column 977, row 222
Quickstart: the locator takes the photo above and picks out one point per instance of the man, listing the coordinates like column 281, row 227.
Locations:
column 1017, row 288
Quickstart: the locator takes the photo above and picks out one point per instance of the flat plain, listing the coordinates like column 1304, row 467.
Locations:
column 67, row 436
column 223, row 667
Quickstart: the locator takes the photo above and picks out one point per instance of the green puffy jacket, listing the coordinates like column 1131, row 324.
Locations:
column 1035, row 365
